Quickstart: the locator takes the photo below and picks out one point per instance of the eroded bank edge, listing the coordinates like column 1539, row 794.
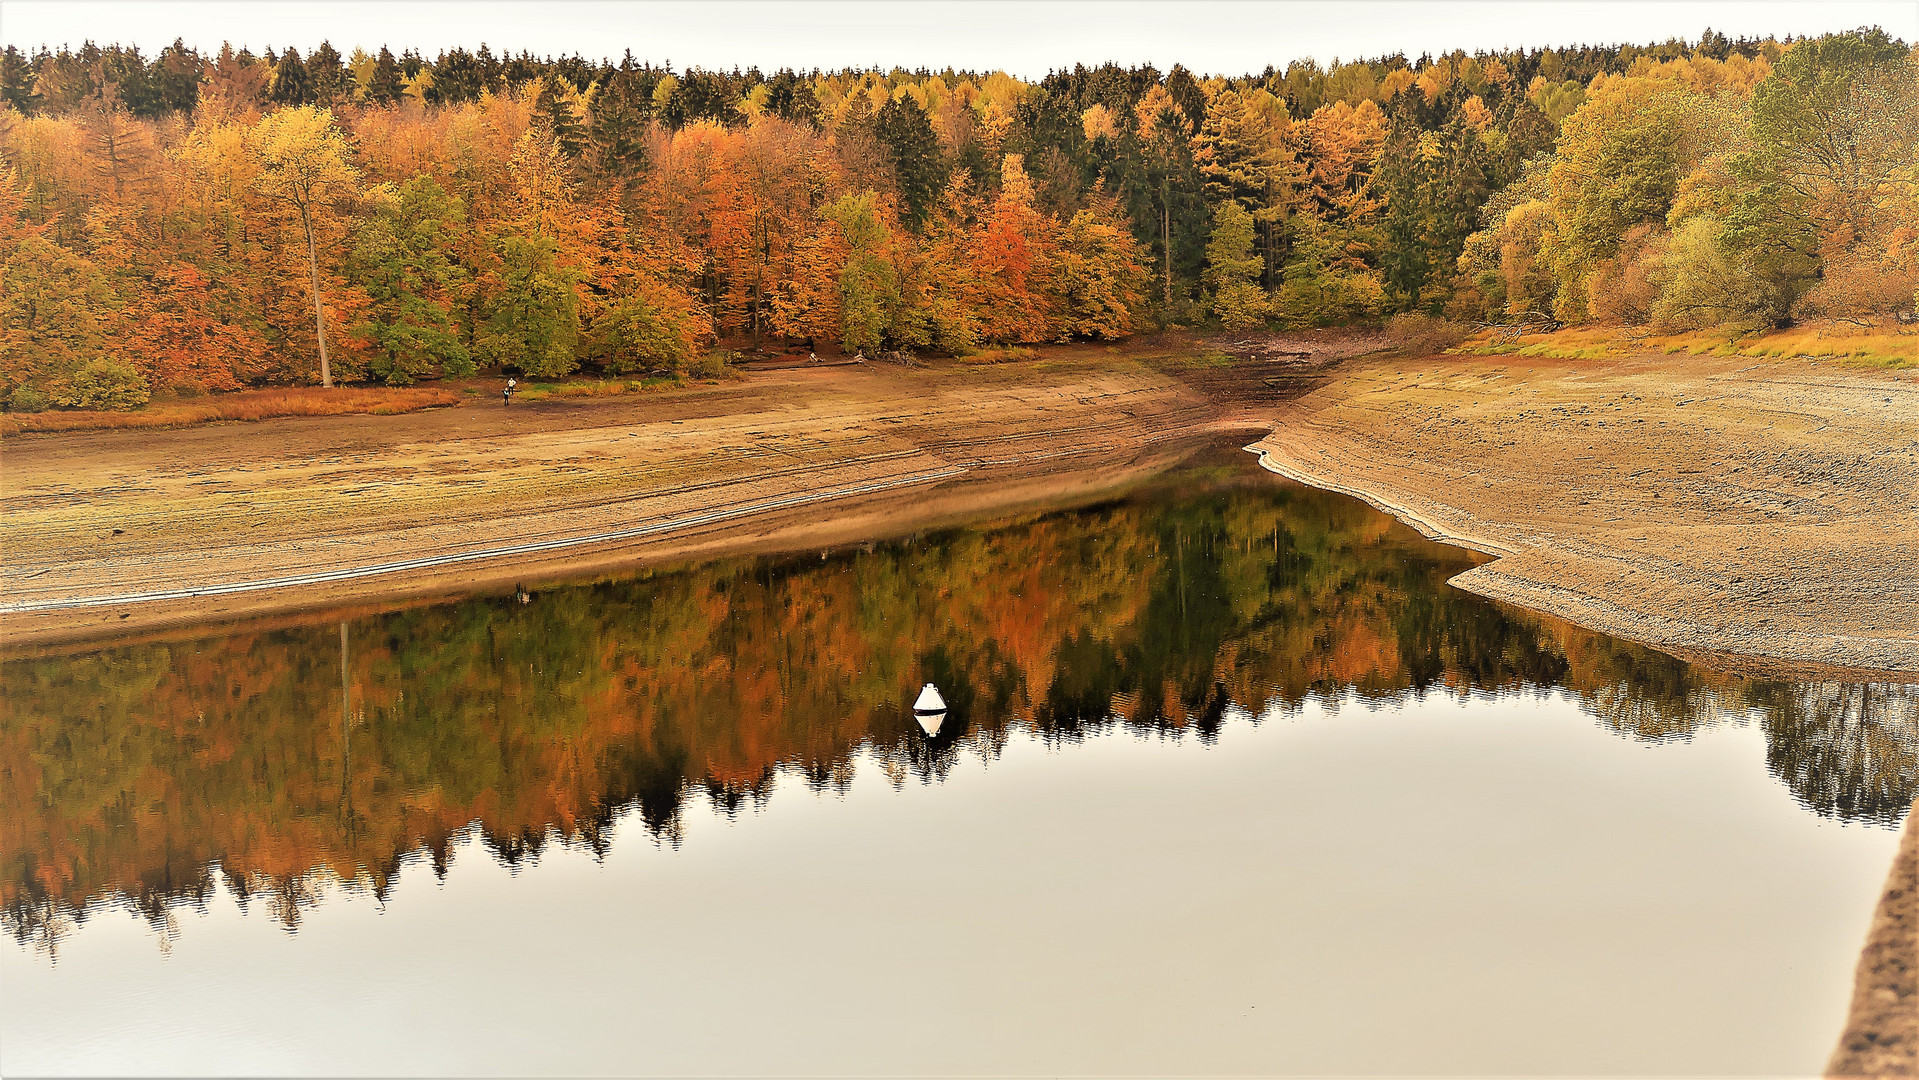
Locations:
column 669, row 524
column 1837, row 655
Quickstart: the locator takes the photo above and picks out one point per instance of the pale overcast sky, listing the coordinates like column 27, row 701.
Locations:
column 1025, row 38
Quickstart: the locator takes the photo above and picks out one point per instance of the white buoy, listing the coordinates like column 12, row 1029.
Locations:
column 930, row 710
column 930, row 700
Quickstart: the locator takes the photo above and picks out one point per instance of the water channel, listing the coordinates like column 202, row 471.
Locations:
column 1230, row 781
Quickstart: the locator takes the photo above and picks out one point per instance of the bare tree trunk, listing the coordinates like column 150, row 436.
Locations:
column 346, row 731
column 319, row 313
column 1269, row 269
column 1166, row 239
column 759, row 277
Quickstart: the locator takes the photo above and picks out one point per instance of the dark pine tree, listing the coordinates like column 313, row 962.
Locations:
column 575, row 70
column 176, row 77
column 328, row 75
column 552, row 114
column 1457, row 186
column 703, row 95
column 790, row 98
column 385, row 86
column 126, row 73
column 918, row 167
column 616, row 138
column 457, row 77
column 16, row 80
column 1399, row 179
column 523, row 68
column 491, row 70
column 292, row 85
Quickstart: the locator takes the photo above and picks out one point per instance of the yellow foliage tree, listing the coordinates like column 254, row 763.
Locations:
column 305, row 164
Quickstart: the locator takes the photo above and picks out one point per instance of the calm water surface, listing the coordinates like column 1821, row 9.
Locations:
column 1231, row 782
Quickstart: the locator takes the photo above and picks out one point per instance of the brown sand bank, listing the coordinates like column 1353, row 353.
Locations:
column 1762, row 516
column 1882, row 1026
column 782, row 460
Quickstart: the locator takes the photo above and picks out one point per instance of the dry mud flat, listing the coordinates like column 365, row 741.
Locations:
column 1765, row 514
column 782, row 460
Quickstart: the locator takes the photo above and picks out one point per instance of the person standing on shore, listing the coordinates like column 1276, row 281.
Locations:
column 506, row 394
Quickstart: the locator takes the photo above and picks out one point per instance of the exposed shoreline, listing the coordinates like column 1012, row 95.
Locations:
column 116, row 534
column 1882, row 1026
column 349, row 510
column 1768, row 531
column 1588, row 612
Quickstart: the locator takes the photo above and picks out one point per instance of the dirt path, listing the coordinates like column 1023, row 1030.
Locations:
column 1699, row 505
column 784, row 459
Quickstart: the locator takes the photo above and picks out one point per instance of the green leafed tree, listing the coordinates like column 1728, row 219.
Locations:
column 404, row 259
column 53, row 308
column 1837, row 122
column 1233, row 269
column 1621, row 155
column 869, row 285
column 638, row 333
column 1703, row 282
column 1834, row 147
column 1316, row 290
column 532, row 316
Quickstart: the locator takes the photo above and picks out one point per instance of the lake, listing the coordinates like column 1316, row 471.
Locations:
column 1230, row 781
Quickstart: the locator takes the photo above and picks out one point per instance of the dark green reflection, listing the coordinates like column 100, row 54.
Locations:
column 271, row 758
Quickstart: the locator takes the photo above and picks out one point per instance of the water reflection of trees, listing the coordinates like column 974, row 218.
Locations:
column 1647, row 694
column 1848, row 750
column 273, row 761
column 1844, row 750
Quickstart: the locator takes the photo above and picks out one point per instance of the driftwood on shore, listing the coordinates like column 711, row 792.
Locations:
column 1510, row 329
column 1882, row 1028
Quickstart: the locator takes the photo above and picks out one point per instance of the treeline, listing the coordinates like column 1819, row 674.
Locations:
column 189, row 223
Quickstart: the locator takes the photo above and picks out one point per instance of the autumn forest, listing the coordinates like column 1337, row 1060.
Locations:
column 182, row 223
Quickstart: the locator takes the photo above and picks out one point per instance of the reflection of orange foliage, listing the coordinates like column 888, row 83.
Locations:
column 141, row 768
column 1358, row 656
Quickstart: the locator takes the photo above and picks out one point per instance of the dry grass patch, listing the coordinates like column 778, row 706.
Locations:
column 240, row 405
column 537, row 391
column 1854, row 346
column 1006, row 354
column 1424, row 333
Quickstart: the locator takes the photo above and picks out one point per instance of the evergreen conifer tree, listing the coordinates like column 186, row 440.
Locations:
column 292, row 85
